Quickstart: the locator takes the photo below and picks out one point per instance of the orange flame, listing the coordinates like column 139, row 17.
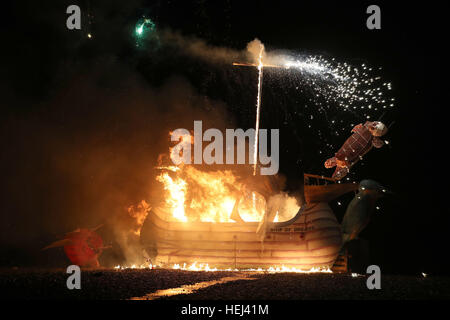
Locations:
column 195, row 195
column 139, row 213
column 205, row 267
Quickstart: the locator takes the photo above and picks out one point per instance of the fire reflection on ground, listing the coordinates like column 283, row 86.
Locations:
column 191, row 288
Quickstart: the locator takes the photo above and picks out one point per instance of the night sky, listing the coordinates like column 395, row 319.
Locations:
column 83, row 120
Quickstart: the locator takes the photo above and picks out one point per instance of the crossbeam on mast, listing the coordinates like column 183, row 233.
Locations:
column 243, row 64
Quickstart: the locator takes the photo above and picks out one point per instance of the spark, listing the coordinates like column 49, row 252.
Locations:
column 144, row 25
column 140, row 29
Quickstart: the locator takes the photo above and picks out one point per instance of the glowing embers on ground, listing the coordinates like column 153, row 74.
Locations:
column 274, row 269
column 206, row 196
column 206, row 268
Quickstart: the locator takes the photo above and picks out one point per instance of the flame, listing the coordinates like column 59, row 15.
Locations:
column 195, row 195
column 176, row 195
column 276, row 219
column 139, row 213
column 192, row 194
column 205, row 267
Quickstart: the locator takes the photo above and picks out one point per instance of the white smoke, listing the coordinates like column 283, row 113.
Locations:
column 254, row 48
column 282, row 204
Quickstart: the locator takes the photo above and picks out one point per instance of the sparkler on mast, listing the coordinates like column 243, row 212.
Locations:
column 260, row 67
column 258, row 108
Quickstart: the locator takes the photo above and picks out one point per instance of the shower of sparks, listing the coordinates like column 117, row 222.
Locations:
column 350, row 87
column 340, row 83
column 338, row 96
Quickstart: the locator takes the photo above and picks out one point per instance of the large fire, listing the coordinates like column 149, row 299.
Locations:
column 207, row 196
column 139, row 213
column 193, row 194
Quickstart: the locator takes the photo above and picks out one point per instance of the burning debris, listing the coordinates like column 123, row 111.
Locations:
column 82, row 247
column 139, row 213
column 204, row 267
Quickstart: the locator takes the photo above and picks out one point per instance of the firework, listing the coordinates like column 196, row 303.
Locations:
column 347, row 93
column 349, row 86
column 144, row 25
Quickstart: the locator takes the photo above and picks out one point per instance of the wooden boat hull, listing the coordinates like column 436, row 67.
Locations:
column 312, row 240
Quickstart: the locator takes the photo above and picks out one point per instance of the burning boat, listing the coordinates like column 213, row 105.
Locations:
column 311, row 239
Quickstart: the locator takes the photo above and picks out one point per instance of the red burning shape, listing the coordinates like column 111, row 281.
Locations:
column 82, row 247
